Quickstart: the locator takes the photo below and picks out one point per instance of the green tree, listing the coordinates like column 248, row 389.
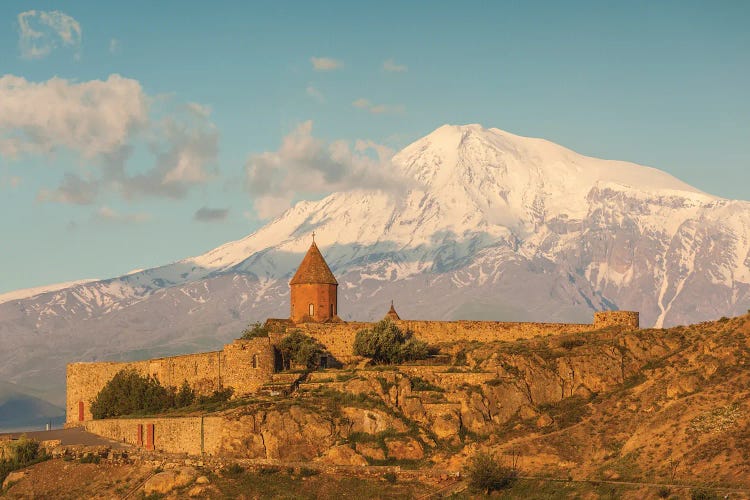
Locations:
column 130, row 393
column 254, row 331
column 486, row 474
column 386, row 343
column 300, row 349
column 185, row 396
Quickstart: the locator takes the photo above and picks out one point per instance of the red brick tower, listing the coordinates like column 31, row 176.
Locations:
column 314, row 290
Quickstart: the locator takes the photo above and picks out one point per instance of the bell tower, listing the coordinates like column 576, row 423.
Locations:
column 314, row 290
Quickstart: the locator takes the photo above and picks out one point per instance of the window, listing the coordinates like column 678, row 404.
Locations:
column 255, row 361
column 332, row 310
column 312, row 310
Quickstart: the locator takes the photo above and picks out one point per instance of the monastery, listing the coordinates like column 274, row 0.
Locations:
column 248, row 366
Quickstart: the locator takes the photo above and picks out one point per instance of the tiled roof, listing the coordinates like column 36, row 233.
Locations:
column 313, row 270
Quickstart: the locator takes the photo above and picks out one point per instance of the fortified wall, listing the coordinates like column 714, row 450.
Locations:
column 338, row 338
column 244, row 365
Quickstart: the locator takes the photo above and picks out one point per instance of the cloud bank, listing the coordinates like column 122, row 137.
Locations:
column 40, row 32
column 102, row 122
column 306, row 165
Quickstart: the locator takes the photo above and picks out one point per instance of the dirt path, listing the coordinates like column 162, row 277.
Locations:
column 72, row 436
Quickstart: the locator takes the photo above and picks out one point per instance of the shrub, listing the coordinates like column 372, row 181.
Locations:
column 308, row 472
column 233, row 470
column 420, row 384
column 24, row 450
column 130, row 393
column 664, row 492
column 254, row 331
column 90, row 459
column 390, row 477
column 460, row 359
column 217, row 396
column 300, row 349
column 22, row 453
column 385, row 343
column 701, row 494
column 185, row 396
column 487, row 475
column 572, row 343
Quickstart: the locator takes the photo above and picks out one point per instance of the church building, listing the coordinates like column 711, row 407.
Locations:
column 314, row 290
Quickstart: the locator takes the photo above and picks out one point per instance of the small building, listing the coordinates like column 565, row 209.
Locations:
column 314, row 290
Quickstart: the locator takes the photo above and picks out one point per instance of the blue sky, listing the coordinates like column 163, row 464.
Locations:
column 125, row 129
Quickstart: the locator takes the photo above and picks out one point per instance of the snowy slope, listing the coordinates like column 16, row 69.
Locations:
column 492, row 226
column 32, row 292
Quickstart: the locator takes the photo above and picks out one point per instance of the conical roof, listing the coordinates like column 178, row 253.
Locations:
column 313, row 270
column 392, row 314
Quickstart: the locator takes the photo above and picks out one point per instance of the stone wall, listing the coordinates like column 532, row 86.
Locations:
column 339, row 337
column 243, row 365
column 625, row 319
column 173, row 435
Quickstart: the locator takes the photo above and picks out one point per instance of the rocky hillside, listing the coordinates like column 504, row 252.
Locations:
column 648, row 406
column 612, row 413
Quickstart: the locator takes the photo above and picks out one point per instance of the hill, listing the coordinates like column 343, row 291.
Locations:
column 631, row 414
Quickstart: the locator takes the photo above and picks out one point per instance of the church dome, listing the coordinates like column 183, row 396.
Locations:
column 313, row 270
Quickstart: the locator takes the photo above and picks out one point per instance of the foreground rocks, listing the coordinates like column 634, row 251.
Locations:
column 166, row 481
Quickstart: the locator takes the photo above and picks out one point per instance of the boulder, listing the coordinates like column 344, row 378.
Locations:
column 372, row 421
column 342, row 455
column 683, row 385
column 13, row 477
column 544, row 420
column 197, row 491
column 404, row 448
column 446, row 425
column 371, row 451
column 166, row 481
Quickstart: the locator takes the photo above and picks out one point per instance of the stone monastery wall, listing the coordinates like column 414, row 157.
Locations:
column 244, row 365
column 339, row 337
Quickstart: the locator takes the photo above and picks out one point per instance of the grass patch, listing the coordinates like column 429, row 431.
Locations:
column 570, row 344
column 290, row 486
column 420, row 384
column 566, row 412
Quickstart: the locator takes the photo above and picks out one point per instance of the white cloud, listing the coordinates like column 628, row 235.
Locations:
column 115, row 46
column 315, row 93
column 103, row 122
column 391, row 66
column 325, row 63
column 91, row 118
column 305, row 165
column 107, row 214
column 40, row 32
column 378, row 109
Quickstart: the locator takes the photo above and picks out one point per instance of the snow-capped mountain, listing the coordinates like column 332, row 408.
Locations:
column 489, row 225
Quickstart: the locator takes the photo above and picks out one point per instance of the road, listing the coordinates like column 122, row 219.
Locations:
column 72, row 436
